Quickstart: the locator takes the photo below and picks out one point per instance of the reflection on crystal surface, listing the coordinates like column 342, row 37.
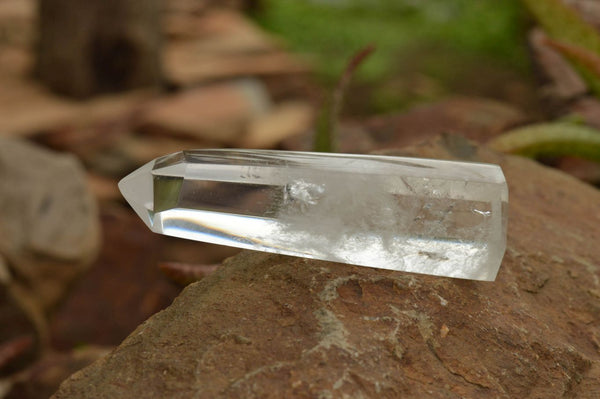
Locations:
column 418, row 215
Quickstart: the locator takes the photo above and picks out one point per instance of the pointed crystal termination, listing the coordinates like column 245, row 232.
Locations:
column 418, row 215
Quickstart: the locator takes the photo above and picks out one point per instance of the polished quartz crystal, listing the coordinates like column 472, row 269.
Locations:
column 443, row 218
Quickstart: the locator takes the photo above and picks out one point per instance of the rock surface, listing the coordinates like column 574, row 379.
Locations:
column 273, row 326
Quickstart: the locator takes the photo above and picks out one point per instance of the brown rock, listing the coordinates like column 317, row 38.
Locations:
column 219, row 31
column 49, row 229
column 475, row 118
column 273, row 326
column 186, row 66
column 214, row 113
column 222, row 44
column 285, row 120
column 27, row 109
column 44, row 213
column 49, row 234
column 478, row 119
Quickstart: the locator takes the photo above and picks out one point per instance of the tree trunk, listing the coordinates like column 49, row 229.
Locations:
column 95, row 46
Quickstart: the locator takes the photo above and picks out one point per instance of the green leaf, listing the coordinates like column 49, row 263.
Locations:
column 551, row 139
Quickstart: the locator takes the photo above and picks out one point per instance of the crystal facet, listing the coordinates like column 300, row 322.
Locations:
column 427, row 216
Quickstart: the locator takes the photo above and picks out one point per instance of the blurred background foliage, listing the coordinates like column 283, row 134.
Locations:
column 442, row 45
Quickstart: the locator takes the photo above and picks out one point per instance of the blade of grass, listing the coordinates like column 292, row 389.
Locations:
column 327, row 123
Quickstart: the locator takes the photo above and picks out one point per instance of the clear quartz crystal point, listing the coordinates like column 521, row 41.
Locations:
column 426, row 216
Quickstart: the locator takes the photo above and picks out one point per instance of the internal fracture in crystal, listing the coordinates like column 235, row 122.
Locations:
column 443, row 218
